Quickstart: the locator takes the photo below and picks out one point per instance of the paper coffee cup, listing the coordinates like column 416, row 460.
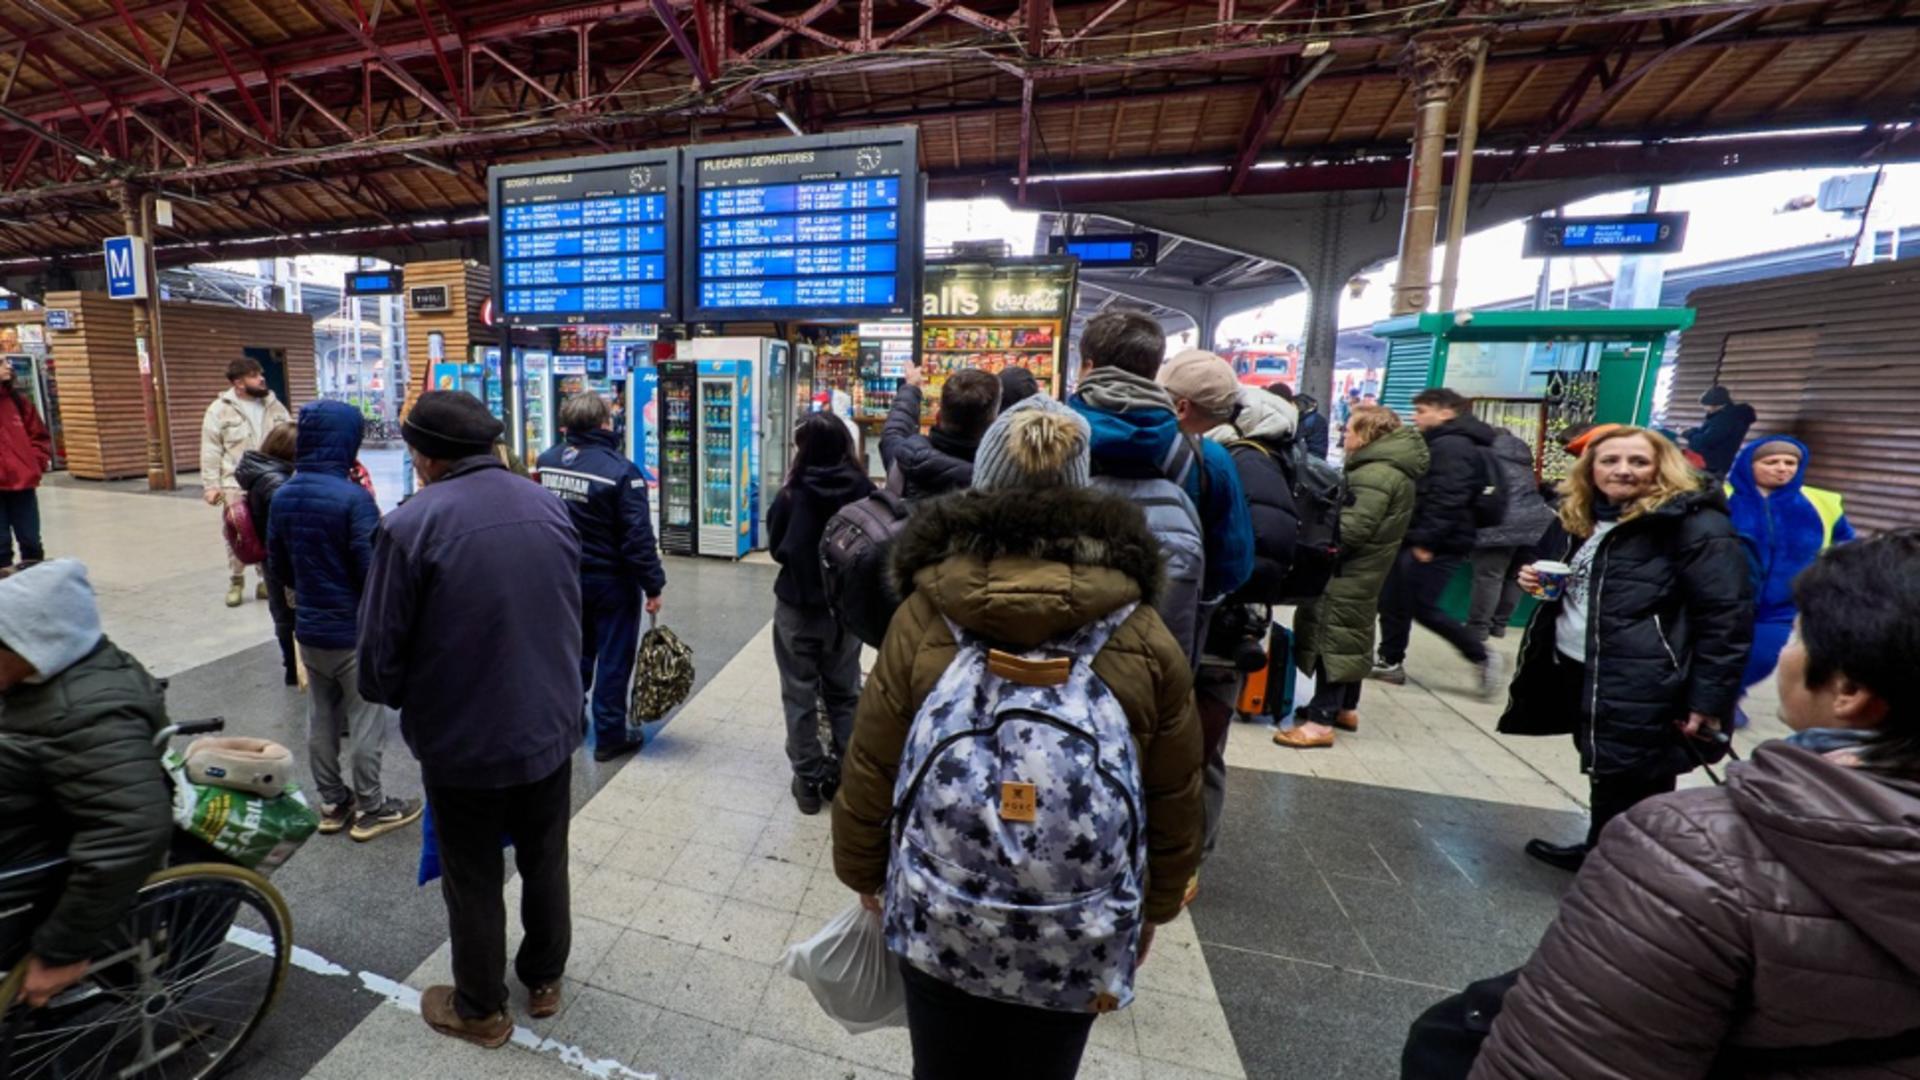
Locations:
column 1553, row 579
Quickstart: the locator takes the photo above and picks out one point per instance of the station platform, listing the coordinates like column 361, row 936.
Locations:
column 1352, row 886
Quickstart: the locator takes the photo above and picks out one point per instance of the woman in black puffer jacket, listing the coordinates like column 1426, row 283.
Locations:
column 1644, row 649
column 260, row 473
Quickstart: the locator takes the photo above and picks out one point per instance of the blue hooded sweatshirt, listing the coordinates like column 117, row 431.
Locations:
column 1133, row 444
column 320, row 528
column 1783, row 533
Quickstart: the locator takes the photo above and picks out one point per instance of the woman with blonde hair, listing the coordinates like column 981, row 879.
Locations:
column 1642, row 648
column 1333, row 634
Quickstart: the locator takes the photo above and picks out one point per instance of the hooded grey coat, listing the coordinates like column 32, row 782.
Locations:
column 1774, row 912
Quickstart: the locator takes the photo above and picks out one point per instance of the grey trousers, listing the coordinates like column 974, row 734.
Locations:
column 1495, row 592
column 1216, row 692
column 336, row 713
column 819, row 665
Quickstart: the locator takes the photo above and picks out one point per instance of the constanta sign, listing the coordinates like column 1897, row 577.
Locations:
column 1006, row 292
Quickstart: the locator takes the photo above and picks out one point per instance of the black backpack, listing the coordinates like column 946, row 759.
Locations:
column 853, row 562
column 1319, row 494
column 1489, row 493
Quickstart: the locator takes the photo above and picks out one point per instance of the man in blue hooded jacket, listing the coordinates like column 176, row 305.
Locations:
column 320, row 545
column 1138, row 445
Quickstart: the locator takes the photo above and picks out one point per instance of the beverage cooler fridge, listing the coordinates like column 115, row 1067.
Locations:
column 678, row 386
column 724, row 410
column 706, row 485
column 536, row 372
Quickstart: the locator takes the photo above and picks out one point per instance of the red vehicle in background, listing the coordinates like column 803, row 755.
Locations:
column 1263, row 362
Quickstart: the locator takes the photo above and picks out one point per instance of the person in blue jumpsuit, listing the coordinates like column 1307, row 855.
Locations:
column 1784, row 524
column 606, row 495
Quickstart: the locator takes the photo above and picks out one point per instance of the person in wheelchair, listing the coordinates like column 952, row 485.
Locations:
column 80, row 779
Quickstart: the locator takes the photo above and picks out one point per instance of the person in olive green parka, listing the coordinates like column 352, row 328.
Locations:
column 1333, row 635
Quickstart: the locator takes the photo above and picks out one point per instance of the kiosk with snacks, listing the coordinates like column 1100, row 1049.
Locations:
column 1536, row 373
column 997, row 313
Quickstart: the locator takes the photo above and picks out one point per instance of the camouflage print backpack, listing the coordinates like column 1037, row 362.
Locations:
column 1019, row 839
column 662, row 675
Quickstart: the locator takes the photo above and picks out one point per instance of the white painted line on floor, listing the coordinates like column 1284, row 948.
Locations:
column 406, row 997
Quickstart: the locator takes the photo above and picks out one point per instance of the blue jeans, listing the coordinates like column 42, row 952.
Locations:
column 20, row 520
column 609, row 635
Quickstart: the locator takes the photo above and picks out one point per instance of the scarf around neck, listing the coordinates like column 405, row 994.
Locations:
column 1111, row 389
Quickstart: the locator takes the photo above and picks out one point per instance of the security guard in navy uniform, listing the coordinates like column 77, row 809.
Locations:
column 619, row 562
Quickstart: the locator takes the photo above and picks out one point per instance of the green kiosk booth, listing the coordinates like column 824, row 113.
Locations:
column 1536, row 373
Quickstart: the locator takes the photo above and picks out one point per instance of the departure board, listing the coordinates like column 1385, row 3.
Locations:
column 588, row 240
column 815, row 227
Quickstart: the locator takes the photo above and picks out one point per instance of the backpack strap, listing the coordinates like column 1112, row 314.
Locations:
column 1180, row 461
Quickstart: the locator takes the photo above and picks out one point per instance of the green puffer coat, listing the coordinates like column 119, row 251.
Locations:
column 80, row 777
column 1336, row 630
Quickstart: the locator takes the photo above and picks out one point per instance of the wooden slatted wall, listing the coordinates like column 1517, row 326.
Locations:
column 466, row 286
column 99, row 375
column 99, row 381
column 1831, row 358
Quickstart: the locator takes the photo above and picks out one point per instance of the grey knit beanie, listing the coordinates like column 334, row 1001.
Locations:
column 1038, row 443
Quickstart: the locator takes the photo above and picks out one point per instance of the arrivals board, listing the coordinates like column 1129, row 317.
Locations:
column 823, row 226
column 586, row 240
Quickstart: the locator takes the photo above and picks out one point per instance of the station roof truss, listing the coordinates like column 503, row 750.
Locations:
column 284, row 126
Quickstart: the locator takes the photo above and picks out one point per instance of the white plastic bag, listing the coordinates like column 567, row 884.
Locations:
column 851, row 973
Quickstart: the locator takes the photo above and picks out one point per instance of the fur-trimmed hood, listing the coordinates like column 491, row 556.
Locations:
column 1023, row 567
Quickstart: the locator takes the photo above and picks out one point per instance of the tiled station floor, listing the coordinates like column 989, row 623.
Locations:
column 1352, row 886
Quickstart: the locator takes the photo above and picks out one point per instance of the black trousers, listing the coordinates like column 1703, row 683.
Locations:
column 1412, row 594
column 20, row 521
column 957, row 1036
column 470, row 823
column 1608, row 794
column 1330, row 698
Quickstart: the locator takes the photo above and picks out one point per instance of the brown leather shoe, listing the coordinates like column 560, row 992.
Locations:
column 543, row 1000
column 436, row 1007
column 1298, row 739
column 1347, row 720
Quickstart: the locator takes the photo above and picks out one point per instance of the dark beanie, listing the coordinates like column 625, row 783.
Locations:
column 1716, row 395
column 1017, row 384
column 448, row 425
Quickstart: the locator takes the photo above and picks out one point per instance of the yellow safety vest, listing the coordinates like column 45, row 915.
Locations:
column 1825, row 503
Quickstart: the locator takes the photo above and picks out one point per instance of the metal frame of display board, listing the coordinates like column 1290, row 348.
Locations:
column 911, row 210
column 665, row 160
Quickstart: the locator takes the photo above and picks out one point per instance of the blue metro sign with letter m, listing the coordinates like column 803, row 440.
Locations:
column 126, row 268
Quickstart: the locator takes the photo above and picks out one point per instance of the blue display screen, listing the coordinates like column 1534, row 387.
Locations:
column 803, row 227
column 372, row 283
column 1610, row 234
column 1101, row 251
column 585, row 244
column 800, row 229
column 567, row 242
column 582, row 300
column 800, row 198
column 792, row 292
column 9, row 303
column 595, row 271
column 792, row 261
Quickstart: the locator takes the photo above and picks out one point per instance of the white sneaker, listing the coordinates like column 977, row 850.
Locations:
column 1493, row 676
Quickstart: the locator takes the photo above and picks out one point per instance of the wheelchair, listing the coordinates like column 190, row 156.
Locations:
column 178, row 987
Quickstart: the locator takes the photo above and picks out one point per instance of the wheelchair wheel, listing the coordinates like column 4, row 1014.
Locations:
column 197, row 965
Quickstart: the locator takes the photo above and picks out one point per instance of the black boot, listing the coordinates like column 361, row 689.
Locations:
column 1568, row 857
